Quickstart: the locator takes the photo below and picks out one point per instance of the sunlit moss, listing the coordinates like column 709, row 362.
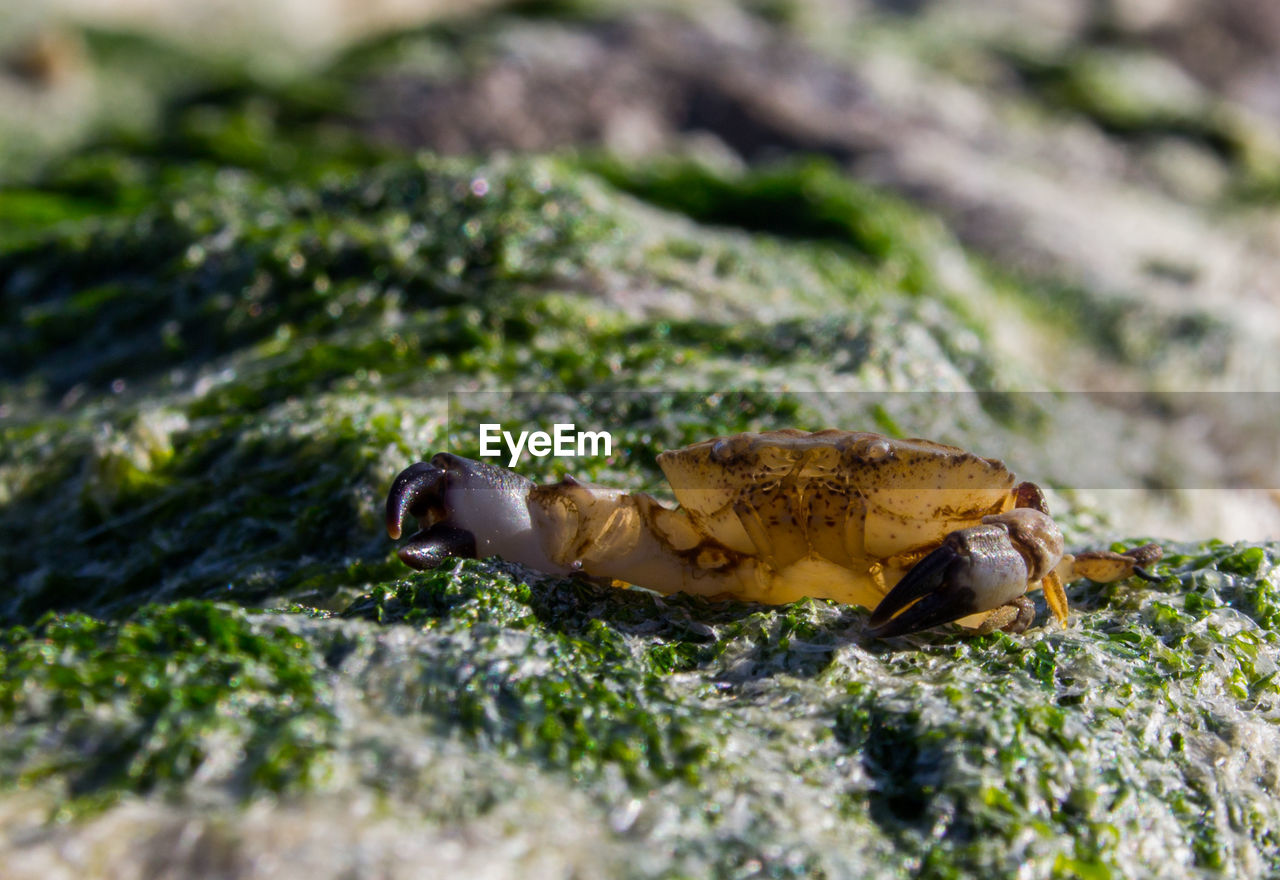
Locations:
column 147, row 704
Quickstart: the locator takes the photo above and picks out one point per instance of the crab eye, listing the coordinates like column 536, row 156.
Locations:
column 876, row 449
column 722, row 450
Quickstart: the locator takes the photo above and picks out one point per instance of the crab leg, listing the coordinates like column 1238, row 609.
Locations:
column 1031, row 496
column 633, row 538
column 1105, row 566
column 1055, row 596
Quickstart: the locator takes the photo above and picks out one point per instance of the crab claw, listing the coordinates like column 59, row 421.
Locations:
column 419, row 491
column 464, row 508
column 976, row 569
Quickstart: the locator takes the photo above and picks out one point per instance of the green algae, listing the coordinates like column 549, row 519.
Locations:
column 1128, row 92
column 1059, row 748
column 190, row 690
column 809, row 200
column 573, row 696
column 297, row 501
column 226, row 259
column 1135, row 94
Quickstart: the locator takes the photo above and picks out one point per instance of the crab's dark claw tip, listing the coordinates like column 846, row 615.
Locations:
column 1147, row 576
column 417, row 483
column 430, row 547
column 923, row 599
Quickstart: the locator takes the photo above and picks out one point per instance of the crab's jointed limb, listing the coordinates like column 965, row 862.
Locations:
column 561, row 528
column 1105, row 566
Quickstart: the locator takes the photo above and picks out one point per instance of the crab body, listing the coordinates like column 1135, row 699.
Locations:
column 919, row 532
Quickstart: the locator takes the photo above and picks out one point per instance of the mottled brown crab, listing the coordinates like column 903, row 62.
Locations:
column 920, row 533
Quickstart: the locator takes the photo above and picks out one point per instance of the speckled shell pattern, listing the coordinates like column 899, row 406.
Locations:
column 789, row 493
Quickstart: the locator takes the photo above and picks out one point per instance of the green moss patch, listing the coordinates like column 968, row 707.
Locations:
column 224, row 508
column 808, row 199
column 550, row 676
column 225, row 259
column 174, row 694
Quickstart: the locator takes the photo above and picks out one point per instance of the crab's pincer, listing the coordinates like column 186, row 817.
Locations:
column 464, row 508
column 419, row 491
column 974, row 570
column 435, row 545
column 928, row 596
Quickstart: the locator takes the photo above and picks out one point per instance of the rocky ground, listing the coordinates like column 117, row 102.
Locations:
column 243, row 288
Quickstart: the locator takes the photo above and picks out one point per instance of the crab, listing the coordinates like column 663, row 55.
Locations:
column 919, row 533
